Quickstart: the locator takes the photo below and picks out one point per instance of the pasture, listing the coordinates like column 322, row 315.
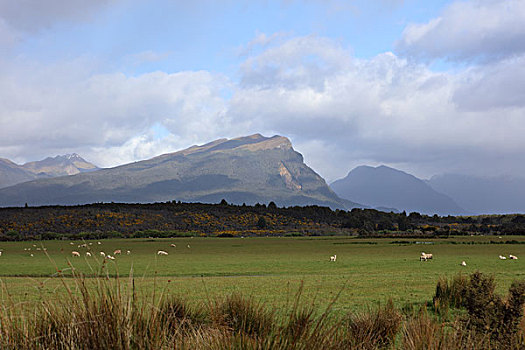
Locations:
column 367, row 271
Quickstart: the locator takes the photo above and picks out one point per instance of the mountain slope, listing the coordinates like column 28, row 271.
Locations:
column 11, row 173
column 69, row 164
column 243, row 170
column 497, row 195
column 387, row 187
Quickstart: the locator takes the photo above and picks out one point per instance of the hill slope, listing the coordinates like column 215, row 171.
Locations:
column 243, row 170
column 387, row 187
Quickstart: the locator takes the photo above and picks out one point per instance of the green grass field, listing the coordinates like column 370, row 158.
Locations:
column 367, row 271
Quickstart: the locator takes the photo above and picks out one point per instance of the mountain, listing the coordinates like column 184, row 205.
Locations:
column 252, row 169
column 483, row 195
column 387, row 187
column 12, row 174
column 69, row 164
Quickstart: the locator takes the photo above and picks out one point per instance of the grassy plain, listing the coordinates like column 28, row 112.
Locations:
column 367, row 271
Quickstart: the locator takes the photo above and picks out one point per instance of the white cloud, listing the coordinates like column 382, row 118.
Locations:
column 383, row 110
column 339, row 111
column 41, row 110
column 480, row 30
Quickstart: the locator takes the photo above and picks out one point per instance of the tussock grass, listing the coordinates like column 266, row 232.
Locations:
column 109, row 313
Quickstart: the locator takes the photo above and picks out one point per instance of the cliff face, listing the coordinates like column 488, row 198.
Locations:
column 252, row 169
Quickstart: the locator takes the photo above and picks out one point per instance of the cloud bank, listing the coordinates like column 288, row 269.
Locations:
column 340, row 111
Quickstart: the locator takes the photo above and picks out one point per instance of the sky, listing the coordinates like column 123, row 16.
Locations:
column 428, row 87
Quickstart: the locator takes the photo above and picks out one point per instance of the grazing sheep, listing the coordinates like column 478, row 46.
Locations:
column 75, row 253
column 110, row 257
column 103, row 254
column 501, row 257
column 99, row 243
column 333, row 258
column 0, row 253
column 424, row 256
column 88, row 254
column 118, row 251
column 162, row 252
column 463, row 263
column 128, row 252
column 173, row 245
column 31, row 255
column 513, row 257
column 188, row 246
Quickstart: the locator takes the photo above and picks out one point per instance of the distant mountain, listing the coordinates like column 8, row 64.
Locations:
column 69, row 164
column 384, row 187
column 247, row 170
column 12, row 174
column 478, row 195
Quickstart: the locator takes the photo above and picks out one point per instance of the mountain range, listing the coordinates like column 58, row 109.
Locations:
column 252, row 169
column 383, row 187
column 69, row 164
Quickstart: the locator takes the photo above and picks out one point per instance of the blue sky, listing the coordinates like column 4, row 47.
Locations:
column 428, row 87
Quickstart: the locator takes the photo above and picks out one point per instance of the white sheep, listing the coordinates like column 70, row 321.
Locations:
column 463, row 263
column 513, row 257
column 173, row 245
column 110, row 257
column 501, row 257
column 424, row 256
column 118, row 251
column 88, row 254
column 75, row 253
column 333, row 258
column 31, row 255
column 103, row 254
column 0, row 253
column 128, row 252
column 188, row 246
column 162, row 252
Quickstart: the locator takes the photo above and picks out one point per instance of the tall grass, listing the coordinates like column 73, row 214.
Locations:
column 109, row 313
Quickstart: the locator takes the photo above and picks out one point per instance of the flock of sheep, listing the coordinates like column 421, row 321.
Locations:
column 425, row 256
column 76, row 253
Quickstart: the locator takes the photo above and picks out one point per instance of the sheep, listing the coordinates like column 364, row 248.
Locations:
column 88, row 254
column 99, row 243
column 463, row 263
column 513, row 257
column 128, row 252
column 333, row 258
column 173, row 245
column 118, row 251
column 0, row 253
column 162, row 252
column 110, row 257
column 188, row 246
column 75, row 253
column 424, row 256
column 31, row 255
column 501, row 257
column 103, row 254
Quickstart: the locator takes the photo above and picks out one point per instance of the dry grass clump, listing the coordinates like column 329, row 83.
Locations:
column 104, row 313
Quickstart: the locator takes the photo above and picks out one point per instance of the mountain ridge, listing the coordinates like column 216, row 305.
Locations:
column 248, row 169
column 68, row 164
